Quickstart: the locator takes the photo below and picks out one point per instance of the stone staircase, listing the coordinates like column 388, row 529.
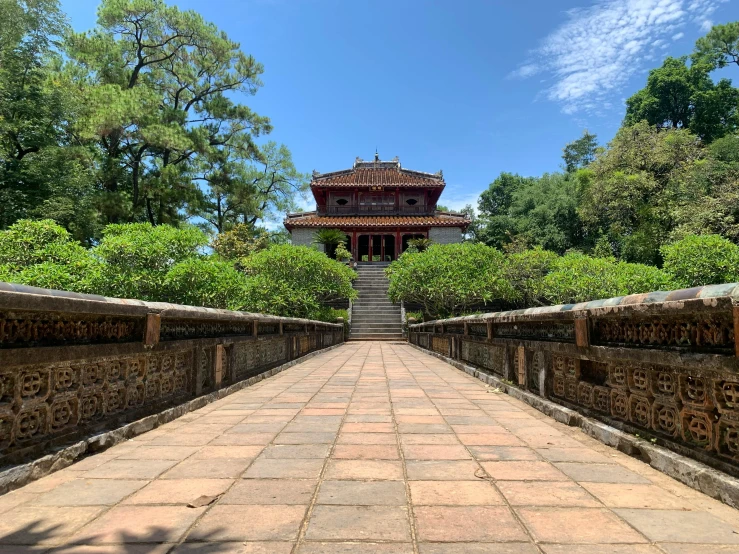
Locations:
column 374, row 317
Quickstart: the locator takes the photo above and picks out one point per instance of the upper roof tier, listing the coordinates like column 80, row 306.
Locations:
column 377, row 173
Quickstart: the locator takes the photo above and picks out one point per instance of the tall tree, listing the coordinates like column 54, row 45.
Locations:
column 579, row 153
column 679, row 96
column 244, row 191
column 720, row 47
column 628, row 192
column 159, row 84
column 43, row 171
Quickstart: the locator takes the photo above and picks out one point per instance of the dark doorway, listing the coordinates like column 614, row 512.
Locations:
column 376, row 248
column 388, row 248
column 363, row 248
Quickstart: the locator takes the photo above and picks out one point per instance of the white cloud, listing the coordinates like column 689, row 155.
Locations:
column 678, row 36
column 593, row 54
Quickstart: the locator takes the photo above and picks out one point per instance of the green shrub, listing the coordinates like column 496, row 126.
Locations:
column 449, row 278
column 701, row 260
column 239, row 242
column 295, row 281
column 576, row 278
column 137, row 257
column 526, row 271
column 205, row 282
column 44, row 254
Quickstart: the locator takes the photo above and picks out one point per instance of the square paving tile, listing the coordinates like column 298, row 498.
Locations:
column 454, row 493
column 137, row 524
column 366, row 452
column 435, row 452
column 271, row 491
column 601, row 473
column 368, row 428
column 623, row 495
column 479, row 548
column 388, row 523
column 90, row 492
column 35, row 525
column 364, row 469
column 503, row 453
column 181, row 439
column 249, row 523
column 547, row 493
column 490, row 439
column 243, row 439
column 429, row 438
column 524, row 471
column 367, row 438
column 584, row 454
column 354, row 548
column 681, row 526
column 305, row 438
column 577, row 525
column 441, row 470
column 178, row 491
column 366, row 493
column 294, row 451
column 224, row 468
column 130, row 469
column 301, row 468
column 426, row 428
column 247, row 452
column 467, row 523
column 146, row 452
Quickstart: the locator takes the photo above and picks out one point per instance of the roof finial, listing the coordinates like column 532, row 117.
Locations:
column 377, row 156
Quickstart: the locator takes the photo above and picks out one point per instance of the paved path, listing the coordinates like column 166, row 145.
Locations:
column 371, row 447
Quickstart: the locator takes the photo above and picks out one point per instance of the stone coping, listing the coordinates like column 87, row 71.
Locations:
column 696, row 298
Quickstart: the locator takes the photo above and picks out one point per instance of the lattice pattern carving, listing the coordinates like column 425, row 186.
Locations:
column 40, row 402
column 19, row 329
column 694, row 331
column 189, row 329
column 560, row 331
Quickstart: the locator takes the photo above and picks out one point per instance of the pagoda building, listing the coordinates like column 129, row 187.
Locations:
column 380, row 205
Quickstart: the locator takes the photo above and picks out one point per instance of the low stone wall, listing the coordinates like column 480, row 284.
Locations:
column 663, row 365
column 72, row 365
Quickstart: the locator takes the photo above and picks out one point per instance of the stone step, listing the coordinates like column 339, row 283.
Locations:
column 376, row 336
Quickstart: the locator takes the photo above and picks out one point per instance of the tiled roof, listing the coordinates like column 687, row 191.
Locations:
column 312, row 219
column 377, row 173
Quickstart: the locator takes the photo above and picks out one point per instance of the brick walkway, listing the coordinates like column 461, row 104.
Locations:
column 372, row 447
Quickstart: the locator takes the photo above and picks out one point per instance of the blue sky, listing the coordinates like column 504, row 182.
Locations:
column 471, row 87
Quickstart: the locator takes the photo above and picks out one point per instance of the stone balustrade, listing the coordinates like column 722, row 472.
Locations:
column 73, row 365
column 662, row 365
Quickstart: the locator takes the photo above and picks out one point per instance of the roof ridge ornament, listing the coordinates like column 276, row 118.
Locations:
column 316, row 174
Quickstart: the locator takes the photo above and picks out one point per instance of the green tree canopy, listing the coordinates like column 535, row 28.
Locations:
column 579, row 153
column 158, row 83
column 680, row 96
column 720, row 47
column 538, row 210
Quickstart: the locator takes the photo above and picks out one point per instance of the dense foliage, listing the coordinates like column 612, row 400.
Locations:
column 133, row 121
column 449, row 278
column 168, row 264
column 699, row 260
